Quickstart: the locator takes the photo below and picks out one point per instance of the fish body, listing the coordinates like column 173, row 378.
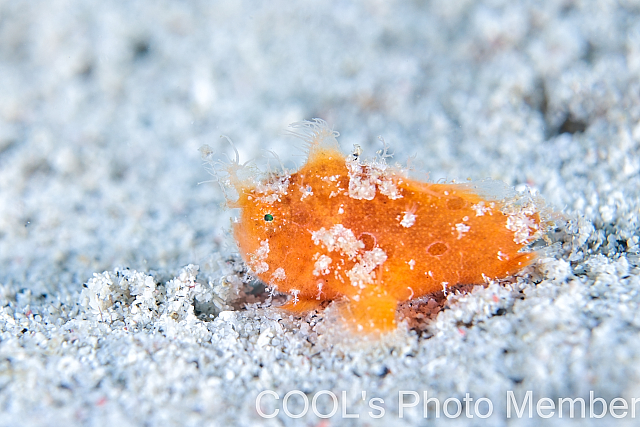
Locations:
column 362, row 232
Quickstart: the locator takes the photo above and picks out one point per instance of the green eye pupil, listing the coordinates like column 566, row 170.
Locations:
column 268, row 217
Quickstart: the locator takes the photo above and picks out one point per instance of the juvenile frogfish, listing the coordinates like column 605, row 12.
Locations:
column 361, row 232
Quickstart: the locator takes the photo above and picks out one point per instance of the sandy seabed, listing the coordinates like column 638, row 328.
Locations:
column 122, row 298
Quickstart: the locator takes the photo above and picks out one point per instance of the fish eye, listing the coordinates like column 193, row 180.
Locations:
column 268, row 217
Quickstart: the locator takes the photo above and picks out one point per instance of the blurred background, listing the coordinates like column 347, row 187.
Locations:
column 103, row 106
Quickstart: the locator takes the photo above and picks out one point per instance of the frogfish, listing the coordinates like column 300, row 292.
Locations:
column 362, row 233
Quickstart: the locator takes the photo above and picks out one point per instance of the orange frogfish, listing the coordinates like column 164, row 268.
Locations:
column 361, row 232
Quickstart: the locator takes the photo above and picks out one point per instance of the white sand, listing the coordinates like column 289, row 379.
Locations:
column 103, row 106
